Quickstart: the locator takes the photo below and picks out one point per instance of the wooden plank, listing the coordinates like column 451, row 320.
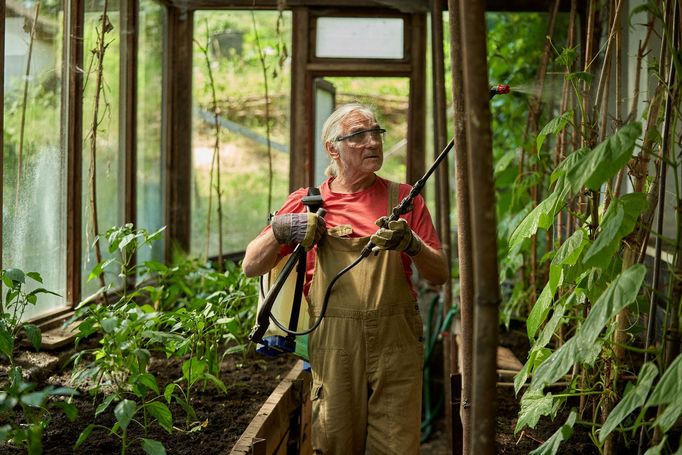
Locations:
column 506, row 360
column 58, row 337
column 273, row 420
column 306, row 444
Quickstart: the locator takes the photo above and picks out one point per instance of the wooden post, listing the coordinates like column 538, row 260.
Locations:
column 177, row 125
column 72, row 107
column 483, row 225
column 443, row 197
column 464, row 246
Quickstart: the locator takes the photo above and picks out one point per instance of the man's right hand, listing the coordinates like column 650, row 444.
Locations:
column 295, row 228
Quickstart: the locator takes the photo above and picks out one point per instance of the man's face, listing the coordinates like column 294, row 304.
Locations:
column 360, row 153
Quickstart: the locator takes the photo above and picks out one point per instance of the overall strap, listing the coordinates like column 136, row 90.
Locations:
column 313, row 195
column 393, row 190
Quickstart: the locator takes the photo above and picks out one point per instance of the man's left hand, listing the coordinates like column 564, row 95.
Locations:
column 396, row 235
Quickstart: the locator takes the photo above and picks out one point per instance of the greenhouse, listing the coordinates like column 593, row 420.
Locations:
column 341, row 227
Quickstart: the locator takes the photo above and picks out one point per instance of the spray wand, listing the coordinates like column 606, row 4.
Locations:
column 402, row 208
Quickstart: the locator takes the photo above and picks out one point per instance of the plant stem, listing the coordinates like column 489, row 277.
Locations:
column 215, row 162
column 24, row 104
column 99, row 55
column 261, row 57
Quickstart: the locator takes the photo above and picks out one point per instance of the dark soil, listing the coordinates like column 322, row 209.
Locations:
column 223, row 417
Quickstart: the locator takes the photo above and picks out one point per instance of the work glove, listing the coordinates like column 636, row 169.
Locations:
column 395, row 235
column 298, row 228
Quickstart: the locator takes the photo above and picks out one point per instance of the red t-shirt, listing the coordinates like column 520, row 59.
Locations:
column 360, row 210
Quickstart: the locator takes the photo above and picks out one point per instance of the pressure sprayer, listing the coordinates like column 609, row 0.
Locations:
column 288, row 343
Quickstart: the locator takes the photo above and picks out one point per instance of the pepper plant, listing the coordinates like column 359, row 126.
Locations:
column 26, row 410
column 17, row 299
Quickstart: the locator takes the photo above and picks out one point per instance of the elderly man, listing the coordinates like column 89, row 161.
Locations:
column 366, row 355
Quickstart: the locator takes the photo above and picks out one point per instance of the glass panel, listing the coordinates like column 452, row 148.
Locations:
column 149, row 84
column 359, row 37
column 34, row 185
column 252, row 180
column 100, row 134
column 389, row 98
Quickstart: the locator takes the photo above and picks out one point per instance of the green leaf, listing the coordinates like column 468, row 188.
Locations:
column 549, row 328
column 16, row 275
column 6, row 343
column 669, row 416
column 659, row 449
column 619, row 221
column 5, row 432
column 153, row 447
column 605, row 160
column 533, row 406
column 125, row 241
column 567, row 56
column 110, row 324
column 85, row 434
column 43, row 291
column 148, row 381
column 104, row 404
column 632, row 399
column 162, row 414
column 63, row 391
column 217, row 382
column 99, row 268
column 33, row 334
column 69, row 409
column 502, row 163
column 551, row 446
column 193, row 369
column 579, row 76
column 670, row 385
column 35, row 276
column 554, row 126
column 538, row 313
column 621, row 293
column 168, row 391
column 541, row 217
column 35, row 399
column 124, row 412
column 567, row 255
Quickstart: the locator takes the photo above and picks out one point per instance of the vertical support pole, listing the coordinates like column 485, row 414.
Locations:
column 443, row 199
column 2, row 125
column 416, row 115
column 177, row 125
column 128, row 111
column 483, row 224
column 301, row 140
column 464, row 247
column 72, row 143
column 128, row 117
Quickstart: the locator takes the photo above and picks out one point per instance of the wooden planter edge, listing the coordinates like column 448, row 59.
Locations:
column 282, row 424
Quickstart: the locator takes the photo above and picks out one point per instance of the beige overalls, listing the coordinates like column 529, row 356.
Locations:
column 366, row 355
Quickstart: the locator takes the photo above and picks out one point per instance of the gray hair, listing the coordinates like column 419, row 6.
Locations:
column 332, row 128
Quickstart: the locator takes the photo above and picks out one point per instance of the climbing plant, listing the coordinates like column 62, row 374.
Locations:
column 579, row 235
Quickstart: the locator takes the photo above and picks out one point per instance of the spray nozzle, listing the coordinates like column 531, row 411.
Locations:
column 501, row 89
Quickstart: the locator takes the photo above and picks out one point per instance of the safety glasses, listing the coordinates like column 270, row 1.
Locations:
column 363, row 136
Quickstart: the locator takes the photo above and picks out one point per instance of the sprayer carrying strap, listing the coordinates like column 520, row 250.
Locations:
column 313, row 206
